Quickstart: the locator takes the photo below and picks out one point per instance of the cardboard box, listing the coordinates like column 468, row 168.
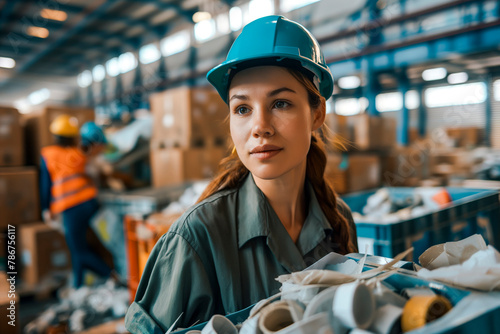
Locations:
column 188, row 117
column 405, row 166
column 353, row 172
column 465, row 137
column 11, row 138
column 37, row 123
column 19, row 196
column 43, row 251
column 342, row 131
column 175, row 165
column 373, row 133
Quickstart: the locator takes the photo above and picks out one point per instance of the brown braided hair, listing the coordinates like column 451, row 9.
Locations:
column 232, row 172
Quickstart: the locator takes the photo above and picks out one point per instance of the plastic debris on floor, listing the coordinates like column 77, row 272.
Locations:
column 79, row 309
column 387, row 207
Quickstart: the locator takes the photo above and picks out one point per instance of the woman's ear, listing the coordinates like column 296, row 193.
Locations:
column 319, row 115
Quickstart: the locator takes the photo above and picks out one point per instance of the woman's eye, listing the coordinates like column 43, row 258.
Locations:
column 281, row 104
column 241, row 110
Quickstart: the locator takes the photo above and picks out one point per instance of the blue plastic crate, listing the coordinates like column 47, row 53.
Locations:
column 478, row 313
column 471, row 211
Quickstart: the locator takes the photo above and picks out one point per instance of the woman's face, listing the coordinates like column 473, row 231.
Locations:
column 271, row 121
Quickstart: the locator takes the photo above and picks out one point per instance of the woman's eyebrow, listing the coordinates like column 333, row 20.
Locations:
column 239, row 97
column 279, row 90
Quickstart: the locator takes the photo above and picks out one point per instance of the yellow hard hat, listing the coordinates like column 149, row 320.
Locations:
column 64, row 125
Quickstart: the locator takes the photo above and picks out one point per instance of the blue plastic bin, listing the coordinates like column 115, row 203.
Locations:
column 471, row 211
column 486, row 321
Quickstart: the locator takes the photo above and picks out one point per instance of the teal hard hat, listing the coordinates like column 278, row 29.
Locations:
column 92, row 134
column 273, row 40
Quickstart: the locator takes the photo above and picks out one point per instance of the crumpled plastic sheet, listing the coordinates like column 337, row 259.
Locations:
column 480, row 271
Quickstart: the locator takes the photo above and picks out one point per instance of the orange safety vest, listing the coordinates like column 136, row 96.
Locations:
column 70, row 185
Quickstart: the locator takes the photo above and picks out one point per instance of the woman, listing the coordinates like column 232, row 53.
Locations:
column 270, row 211
column 66, row 190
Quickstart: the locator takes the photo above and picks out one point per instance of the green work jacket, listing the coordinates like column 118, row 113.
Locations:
column 223, row 255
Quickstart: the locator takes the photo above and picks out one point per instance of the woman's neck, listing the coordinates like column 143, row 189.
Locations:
column 287, row 198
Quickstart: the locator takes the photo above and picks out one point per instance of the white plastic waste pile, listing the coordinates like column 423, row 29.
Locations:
column 381, row 207
column 82, row 307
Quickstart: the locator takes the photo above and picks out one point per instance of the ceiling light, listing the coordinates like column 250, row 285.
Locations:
column 201, row 16
column 349, row 82
column 39, row 96
column 456, row 78
column 52, row 14
column 6, row 62
column 432, row 74
column 38, row 32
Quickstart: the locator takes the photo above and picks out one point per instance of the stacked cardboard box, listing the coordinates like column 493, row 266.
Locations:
column 363, row 132
column 11, row 138
column 44, row 252
column 353, row 172
column 19, row 201
column 189, row 134
column 405, row 166
column 37, row 126
column 465, row 136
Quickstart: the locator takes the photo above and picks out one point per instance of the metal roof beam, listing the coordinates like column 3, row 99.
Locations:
column 187, row 14
column 92, row 15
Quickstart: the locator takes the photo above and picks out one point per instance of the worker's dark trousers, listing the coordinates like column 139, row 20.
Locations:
column 76, row 220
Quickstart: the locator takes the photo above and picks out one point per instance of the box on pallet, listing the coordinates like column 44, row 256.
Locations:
column 405, row 166
column 11, row 138
column 187, row 117
column 37, row 126
column 471, row 211
column 175, row 165
column 363, row 132
column 43, row 251
column 452, row 162
column 353, row 172
column 19, row 201
column 466, row 136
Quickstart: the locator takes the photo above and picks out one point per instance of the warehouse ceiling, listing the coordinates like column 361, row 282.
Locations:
column 52, row 41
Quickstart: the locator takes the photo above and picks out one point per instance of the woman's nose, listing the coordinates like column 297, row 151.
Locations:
column 262, row 126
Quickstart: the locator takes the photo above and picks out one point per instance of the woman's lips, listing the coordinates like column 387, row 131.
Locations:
column 265, row 151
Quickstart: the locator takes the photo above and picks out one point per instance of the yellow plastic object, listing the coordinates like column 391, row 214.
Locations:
column 420, row 310
column 64, row 125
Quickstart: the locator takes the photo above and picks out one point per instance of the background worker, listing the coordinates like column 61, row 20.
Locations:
column 66, row 190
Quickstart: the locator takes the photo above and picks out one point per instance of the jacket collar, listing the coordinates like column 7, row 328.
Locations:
column 256, row 218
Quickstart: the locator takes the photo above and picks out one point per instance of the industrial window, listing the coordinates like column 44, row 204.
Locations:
column 175, row 43
column 389, row 101
column 98, row 73
column 222, row 22
column 235, row 18
column 456, row 95
column 149, row 53
column 260, row 8
column 84, row 79
column 289, row 5
column 412, row 100
column 127, row 62
column 350, row 106
column 113, row 67
column 204, row 30
column 496, row 90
